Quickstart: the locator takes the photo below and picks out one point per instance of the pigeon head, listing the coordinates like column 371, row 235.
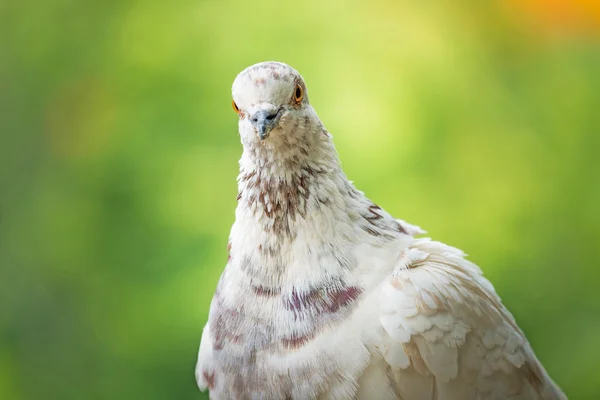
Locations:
column 271, row 101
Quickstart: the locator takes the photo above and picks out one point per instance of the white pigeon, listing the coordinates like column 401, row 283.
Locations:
column 327, row 296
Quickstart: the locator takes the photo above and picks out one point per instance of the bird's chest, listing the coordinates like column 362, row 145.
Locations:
column 286, row 343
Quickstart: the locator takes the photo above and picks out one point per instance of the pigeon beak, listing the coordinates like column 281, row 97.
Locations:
column 264, row 121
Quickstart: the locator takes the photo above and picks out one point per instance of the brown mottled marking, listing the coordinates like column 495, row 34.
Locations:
column 218, row 334
column 260, row 81
column 413, row 264
column 210, row 379
column 280, row 200
column 263, row 291
column 248, row 176
column 441, row 306
column 299, row 302
column 401, row 229
column 278, row 70
column 304, row 151
column 322, row 300
column 343, row 297
column 414, row 355
column 423, row 307
column 374, row 215
column 296, row 341
column 224, row 323
column 370, row 231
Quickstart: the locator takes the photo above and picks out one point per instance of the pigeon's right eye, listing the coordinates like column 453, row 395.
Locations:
column 235, row 107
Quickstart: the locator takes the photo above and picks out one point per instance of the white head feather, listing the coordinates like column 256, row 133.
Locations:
column 278, row 127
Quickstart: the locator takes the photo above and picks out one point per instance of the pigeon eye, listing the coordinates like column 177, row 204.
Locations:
column 298, row 93
column 235, row 107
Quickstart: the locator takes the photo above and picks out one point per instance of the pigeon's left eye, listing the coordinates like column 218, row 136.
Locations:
column 298, row 93
column 235, row 107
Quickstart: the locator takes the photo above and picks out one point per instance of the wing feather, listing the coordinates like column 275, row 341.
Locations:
column 448, row 336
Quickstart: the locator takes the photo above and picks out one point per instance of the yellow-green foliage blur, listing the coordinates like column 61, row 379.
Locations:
column 477, row 120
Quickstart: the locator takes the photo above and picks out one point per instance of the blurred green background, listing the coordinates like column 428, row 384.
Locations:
column 478, row 121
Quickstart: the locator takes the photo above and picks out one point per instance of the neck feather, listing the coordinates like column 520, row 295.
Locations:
column 298, row 218
column 281, row 182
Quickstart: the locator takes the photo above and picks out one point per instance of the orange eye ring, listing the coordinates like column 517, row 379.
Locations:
column 235, row 107
column 298, row 94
